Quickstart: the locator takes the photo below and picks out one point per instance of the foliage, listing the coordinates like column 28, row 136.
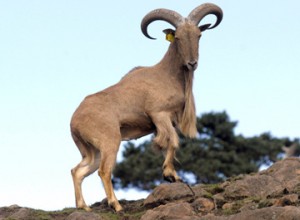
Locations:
column 216, row 154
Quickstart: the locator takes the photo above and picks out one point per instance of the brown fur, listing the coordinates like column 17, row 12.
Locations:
column 146, row 100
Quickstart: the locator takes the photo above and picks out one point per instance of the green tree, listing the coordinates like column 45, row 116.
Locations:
column 216, row 154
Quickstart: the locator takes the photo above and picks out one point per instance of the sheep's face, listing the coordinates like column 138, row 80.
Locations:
column 186, row 37
column 187, row 42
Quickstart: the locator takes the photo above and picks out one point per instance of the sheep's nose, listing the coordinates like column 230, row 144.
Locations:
column 193, row 64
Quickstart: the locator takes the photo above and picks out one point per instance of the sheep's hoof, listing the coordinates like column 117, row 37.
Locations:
column 87, row 209
column 172, row 179
column 116, row 206
column 118, row 209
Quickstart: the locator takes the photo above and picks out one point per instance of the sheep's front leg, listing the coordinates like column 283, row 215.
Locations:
column 167, row 139
column 169, row 172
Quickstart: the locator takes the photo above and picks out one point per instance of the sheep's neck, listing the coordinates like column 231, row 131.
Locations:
column 173, row 65
column 172, row 57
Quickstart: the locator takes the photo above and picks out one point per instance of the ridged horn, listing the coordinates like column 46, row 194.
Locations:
column 205, row 9
column 167, row 15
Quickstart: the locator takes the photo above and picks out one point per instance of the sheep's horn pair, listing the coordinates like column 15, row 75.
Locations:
column 176, row 19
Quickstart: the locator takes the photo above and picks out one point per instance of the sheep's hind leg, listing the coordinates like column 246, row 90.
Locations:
column 88, row 165
column 107, row 163
column 166, row 138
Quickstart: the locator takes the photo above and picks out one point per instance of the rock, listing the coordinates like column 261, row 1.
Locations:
column 21, row 214
column 219, row 200
column 276, row 213
column 281, row 178
column 171, row 211
column 287, row 200
column 271, row 213
column 211, row 216
column 249, row 206
column 228, row 205
column 203, row 205
column 78, row 215
column 14, row 212
column 259, row 186
column 200, row 191
column 166, row 193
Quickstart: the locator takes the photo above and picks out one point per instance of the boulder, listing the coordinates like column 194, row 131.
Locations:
column 21, row 214
column 203, row 205
column 166, row 193
column 281, row 178
column 171, row 211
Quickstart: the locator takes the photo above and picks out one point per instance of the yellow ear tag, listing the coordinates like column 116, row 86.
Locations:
column 170, row 37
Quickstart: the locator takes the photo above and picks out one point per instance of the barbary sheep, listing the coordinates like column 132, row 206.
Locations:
column 156, row 99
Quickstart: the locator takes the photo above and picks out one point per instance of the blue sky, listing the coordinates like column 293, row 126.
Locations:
column 54, row 53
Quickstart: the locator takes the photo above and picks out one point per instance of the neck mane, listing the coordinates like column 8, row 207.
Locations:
column 187, row 123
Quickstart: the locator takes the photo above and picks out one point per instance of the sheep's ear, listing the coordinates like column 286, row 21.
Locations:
column 204, row 27
column 170, row 34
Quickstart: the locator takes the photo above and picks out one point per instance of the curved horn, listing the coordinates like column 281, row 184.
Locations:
column 167, row 15
column 205, row 9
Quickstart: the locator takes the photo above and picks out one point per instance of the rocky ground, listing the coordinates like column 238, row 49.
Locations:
column 270, row 194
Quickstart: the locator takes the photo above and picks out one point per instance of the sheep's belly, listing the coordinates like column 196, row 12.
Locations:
column 129, row 133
